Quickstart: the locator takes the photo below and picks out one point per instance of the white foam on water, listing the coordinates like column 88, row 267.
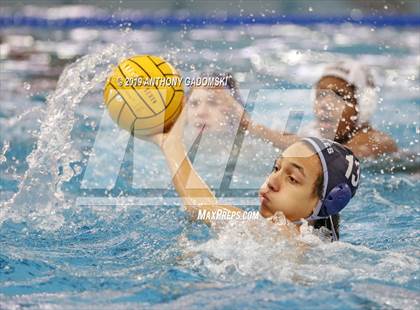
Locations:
column 263, row 250
column 4, row 149
column 260, row 249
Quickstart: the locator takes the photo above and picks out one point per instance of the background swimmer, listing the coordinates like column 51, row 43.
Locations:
column 354, row 86
column 313, row 179
column 344, row 100
column 206, row 105
column 216, row 141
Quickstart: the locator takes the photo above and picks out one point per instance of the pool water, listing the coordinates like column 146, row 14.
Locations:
column 78, row 231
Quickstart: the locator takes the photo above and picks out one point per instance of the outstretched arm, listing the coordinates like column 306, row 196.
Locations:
column 279, row 139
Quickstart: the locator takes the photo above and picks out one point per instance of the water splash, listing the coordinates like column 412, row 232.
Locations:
column 40, row 198
column 260, row 249
column 4, row 149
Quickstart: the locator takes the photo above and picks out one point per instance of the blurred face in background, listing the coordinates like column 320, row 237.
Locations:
column 335, row 108
column 209, row 107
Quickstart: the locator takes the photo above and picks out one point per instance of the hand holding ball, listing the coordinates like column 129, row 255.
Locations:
column 144, row 95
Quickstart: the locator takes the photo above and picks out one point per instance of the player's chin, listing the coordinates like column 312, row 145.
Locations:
column 265, row 211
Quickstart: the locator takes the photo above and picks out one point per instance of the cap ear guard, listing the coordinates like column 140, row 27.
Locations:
column 336, row 200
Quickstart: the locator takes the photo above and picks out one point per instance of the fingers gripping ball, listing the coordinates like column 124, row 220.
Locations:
column 144, row 95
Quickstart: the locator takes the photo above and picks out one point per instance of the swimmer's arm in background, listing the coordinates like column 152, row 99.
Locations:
column 372, row 144
column 279, row 139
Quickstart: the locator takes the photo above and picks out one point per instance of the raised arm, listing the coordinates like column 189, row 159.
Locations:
column 194, row 192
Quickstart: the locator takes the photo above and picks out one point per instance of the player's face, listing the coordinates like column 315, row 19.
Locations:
column 290, row 188
column 206, row 106
column 336, row 117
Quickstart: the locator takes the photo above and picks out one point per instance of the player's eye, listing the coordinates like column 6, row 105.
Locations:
column 292, row 180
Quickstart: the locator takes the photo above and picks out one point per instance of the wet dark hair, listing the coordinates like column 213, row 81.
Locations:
column 318, row 190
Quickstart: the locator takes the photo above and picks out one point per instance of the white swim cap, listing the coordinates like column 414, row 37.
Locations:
column 361, row 78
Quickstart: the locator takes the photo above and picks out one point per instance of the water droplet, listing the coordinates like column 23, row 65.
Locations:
column 26, row 85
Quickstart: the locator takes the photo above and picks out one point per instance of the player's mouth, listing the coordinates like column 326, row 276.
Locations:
column 263, row 198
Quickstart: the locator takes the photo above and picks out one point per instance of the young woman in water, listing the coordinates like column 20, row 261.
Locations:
column 344, row 99
column 207, row 106
column 313, row 179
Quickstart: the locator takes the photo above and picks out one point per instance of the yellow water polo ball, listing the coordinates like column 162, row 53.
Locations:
column 144, row 95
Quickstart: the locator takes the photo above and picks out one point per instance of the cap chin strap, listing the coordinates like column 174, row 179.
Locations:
column 334, row 234
column 314, row 216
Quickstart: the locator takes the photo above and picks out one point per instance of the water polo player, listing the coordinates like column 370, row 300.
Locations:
column 206, row 105
column 345, row 98
column 353, row 83
column 314, row 179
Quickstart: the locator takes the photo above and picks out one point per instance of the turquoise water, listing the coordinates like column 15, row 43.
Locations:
column 77, row 231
